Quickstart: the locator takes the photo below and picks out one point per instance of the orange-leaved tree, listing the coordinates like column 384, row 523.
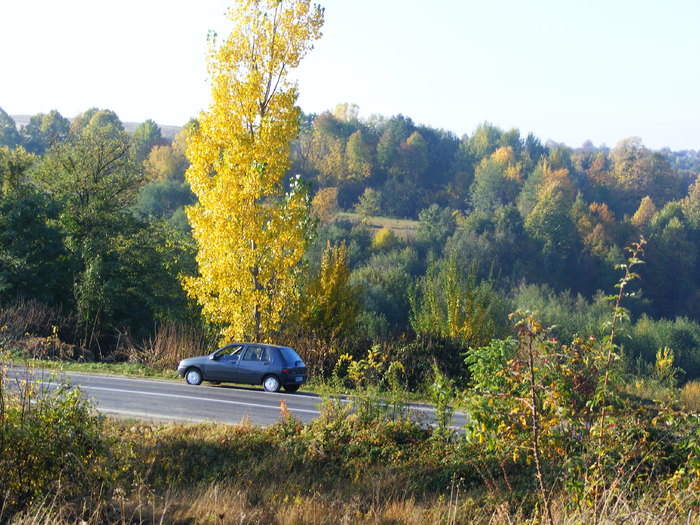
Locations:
column 251, row 231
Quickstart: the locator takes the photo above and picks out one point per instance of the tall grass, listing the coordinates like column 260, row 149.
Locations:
column 22, row 317
column 690, row 396
column 172, row 343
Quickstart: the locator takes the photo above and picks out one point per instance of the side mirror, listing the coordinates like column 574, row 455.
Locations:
column 212, row 357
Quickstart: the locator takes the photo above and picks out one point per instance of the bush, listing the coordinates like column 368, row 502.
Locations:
column 51, row 449
column 647, row 336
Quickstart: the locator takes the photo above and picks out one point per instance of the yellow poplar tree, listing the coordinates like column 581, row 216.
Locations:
column 250, row 233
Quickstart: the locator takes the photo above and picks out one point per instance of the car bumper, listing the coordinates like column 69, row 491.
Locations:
column 294, row 379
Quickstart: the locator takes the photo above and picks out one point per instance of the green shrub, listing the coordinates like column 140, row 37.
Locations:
column 647, row 336
column 51, row 448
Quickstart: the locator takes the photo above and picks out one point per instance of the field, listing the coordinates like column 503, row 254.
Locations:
column 402, row 228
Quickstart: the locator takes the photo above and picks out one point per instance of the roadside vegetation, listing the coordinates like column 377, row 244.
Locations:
column 558, row 433
column 399, row 260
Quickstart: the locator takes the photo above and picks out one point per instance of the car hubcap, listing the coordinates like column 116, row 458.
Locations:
column 271, row 384
column 192, row 377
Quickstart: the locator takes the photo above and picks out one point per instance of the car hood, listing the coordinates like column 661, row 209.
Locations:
column 190, row 361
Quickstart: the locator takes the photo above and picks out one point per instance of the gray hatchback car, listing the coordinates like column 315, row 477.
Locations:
column 250, row 363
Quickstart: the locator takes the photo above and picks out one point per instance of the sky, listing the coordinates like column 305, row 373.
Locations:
column 567, row 71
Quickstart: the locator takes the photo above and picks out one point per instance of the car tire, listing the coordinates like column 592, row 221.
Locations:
column 193, row 376
column 291, row 388
column 271, row 384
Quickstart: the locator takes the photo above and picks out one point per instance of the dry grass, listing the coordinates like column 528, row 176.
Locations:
column 23, row 317
column 690, row 396
column 240, row 503
column 404, row 228
column 219, row 504
column 172, row 343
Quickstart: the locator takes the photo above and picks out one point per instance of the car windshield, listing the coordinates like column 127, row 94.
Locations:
column 229, row 351
column 289, row 355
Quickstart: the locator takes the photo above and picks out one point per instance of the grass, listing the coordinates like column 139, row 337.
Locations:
column 404, row 228
column 361, row 465
column 117, row 369
column 690, row 396
column 339, row 469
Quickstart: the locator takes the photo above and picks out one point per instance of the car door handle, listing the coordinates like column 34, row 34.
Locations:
column 266, row 363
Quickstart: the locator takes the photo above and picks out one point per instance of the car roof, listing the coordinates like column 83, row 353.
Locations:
column 256, row 344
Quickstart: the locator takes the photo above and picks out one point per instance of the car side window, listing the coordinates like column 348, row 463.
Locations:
column 232, row 352
column 257, row 353
column 253, row 353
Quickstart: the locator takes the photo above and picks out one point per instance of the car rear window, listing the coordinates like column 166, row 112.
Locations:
column 289, row 355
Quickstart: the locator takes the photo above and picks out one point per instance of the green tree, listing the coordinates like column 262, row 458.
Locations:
column 672, row 261
column 496, row 182
column 14, row 169
column 44, row 130
column 386, row 280
column 145, row 136
column 93, row 176
column 9, row 136
column 485, row 140
column 250, row 233
column 691, row 205
column 435, row 226
column 359, row 156
column 639, row 172
column 410, row 159
column 452, row 304
column 369, row 203
column 551, row 223
column 32, row 256
column 96, row 118
column 396, row 130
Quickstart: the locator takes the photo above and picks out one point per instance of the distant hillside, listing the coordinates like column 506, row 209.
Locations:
column 166, row 131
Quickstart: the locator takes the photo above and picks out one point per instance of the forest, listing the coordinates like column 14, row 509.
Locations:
column 94, row 236
column 549, row 292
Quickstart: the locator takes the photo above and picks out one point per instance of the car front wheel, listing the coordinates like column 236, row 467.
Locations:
column 193, row 376
column 271, row 384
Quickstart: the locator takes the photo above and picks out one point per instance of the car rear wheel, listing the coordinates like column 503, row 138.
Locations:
column 291, row 388
column 271, row 384
column 193, row 376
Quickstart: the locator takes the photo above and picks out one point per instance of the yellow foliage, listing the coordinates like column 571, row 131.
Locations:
column 325, row 204
column 503, row 155
column 384, row 239
column 553, row 180
column 644, row 213
column 331, row 303
column 250, row 234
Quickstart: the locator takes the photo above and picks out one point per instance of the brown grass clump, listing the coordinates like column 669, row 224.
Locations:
column 172, row 343
column 23, row 317
column 690, row 396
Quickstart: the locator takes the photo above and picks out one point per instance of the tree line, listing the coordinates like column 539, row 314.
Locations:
column 93, row 223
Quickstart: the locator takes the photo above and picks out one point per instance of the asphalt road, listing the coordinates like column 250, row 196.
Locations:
column 177, row 401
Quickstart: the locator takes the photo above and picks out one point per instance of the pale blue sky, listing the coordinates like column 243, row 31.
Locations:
column 566, row 71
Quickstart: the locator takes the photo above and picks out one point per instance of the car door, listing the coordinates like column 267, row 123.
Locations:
column 254, row 364
column 224, row 364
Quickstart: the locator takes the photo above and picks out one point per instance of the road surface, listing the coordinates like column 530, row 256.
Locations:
column 177, row 401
